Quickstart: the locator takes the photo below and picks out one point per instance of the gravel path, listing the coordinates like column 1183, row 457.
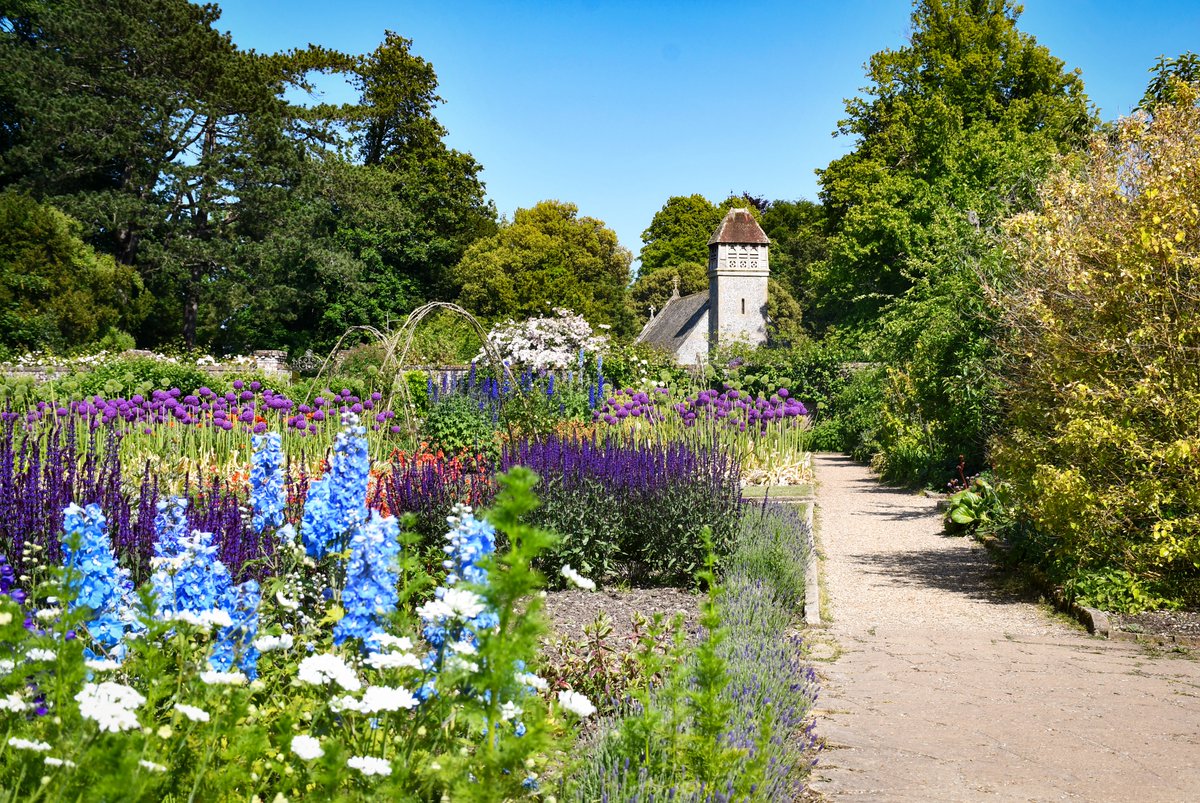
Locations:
column 939, row 687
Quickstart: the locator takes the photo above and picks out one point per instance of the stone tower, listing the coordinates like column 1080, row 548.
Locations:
column 737, row 281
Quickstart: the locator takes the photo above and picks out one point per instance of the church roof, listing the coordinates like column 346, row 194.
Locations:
column 740, row 227
column 670, row 328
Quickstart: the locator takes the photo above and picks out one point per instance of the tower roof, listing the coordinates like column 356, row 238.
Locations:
column 740, row 227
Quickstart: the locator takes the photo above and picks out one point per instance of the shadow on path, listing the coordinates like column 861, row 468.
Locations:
column 969, row 572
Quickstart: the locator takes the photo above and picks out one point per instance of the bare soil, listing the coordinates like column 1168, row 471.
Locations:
column 571, row 611
column 1159, row 623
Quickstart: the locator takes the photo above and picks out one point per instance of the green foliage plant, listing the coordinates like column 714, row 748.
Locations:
column 1103, row 388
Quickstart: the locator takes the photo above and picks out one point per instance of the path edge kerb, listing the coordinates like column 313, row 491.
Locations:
column 812, row 572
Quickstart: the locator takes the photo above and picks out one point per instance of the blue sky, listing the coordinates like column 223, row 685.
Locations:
column 616, row 106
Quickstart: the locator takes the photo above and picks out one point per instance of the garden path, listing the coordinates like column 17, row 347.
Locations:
column 939, row 686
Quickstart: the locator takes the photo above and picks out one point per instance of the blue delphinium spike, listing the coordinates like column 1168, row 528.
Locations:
column 95, row 581
column 372, row 574
column 267, row 497
column 235, row 642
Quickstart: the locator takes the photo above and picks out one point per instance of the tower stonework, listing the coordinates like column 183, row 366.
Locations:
column 737, row 281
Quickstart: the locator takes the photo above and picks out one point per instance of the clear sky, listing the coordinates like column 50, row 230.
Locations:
column 616, row 106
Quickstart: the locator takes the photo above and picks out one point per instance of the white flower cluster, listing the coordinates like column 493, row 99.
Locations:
column 192, row 712
column 375, row 700
column 456, row 603
column 532, row 681
column 307, row 747
column 214, row 678
column 544, row 343
column 13, row 702
column 110, row 705
column 272, row 643
column 576, row 579
column 369, row 765
column 576, row 703
column 25, row 744
column 317, row 670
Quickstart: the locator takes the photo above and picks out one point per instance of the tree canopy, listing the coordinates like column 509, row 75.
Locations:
column 679, row 231
column 548, row 257
column 255, row 221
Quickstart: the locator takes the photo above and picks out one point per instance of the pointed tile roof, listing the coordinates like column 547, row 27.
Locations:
column 670, row 328
column 739, row 226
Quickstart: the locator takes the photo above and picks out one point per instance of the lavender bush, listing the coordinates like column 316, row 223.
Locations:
column 731, row 718
column 632, row 511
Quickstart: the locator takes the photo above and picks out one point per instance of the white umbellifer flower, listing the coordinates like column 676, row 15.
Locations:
column 531, row 680
column 369, row 765
column 271, row 643
column 110, row 705
column 509, row 711
column 7, row 666
column 46, row 614
column 463, row 603
column 38, row 654
column 13, row 702
column 325, row 668
column 150, row 765
column 576, row 703
column 51, row 761
column 459, row 664
column 463, row 648
column 393, row 660
column 284, row 602
column 577, row 579
column 388, row 641
column 214, row 678
column 101, row 664
column 307, row 747
column 25, row 744
column 386, row 698
column 205, row 620
column 192, row 712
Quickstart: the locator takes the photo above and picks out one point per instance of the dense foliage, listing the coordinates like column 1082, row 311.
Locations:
column 1103, row 386
column 953, row 135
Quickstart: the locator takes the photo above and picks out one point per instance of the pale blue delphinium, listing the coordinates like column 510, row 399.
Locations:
column 337, row 503
column 193, row 581
column 235, row 642
column 170, row 526
column 94, row 580
column 469, row 541
column 267, row 496
column 372, row 573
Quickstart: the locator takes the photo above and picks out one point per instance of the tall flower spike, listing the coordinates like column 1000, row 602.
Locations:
column 337, row 503
column 235, row 642
column 170, row 527
column 267, row 497
column 194, row 581
column 372, row 573
column 96, row 582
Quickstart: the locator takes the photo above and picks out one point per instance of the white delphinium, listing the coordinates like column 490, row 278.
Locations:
column 110, row 705
column 307, row 747
column 576, row 703
column 576, row 579
column 369, row 765
column 285, row 602
column 192, row 712
column 318, row 670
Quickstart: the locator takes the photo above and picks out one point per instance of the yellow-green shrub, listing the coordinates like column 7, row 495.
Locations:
column 1102, row 445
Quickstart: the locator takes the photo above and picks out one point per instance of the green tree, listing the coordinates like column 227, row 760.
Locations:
column 548, row 257
column 56, row 292
column 679, row 231
column 797, row 232
column 654, row 289
column 955, row 133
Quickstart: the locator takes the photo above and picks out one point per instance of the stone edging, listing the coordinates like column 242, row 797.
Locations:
column 1095, row 620
column 812, row 573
